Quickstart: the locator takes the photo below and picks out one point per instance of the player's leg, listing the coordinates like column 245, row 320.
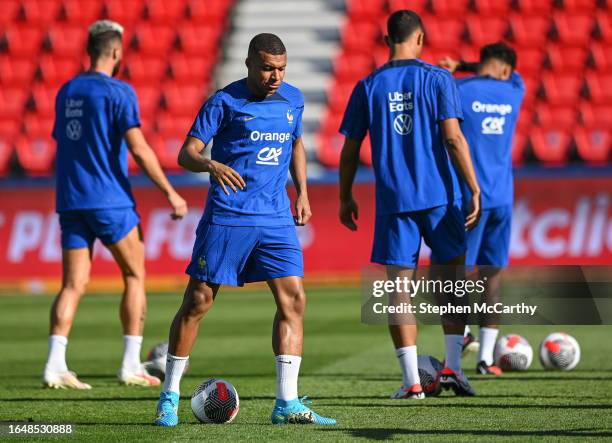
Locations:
column 76, row 265
column 397, row 241
column 493, row 256
column 445, row 234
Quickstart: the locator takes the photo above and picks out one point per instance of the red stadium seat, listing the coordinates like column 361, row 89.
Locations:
column 469, row 52
column 191, row 69
column 519, row 145
column 492, row 8
column 212, row 12
column 531, row 89
column 6, row 152
column 525, row 119
column 39, row 12
column 148, row 99
column 166, row 148
column 555, row 117
column 16, row 72
column 66, row 41
column 126, row 12
column 81, row 12
column 55, row 71
column 534, row 7
column 330, row 141
column 36, row 155
column 579, row 6
column 573, row 29
column 140, row 69
column 550, row 146
column 183, row 99
column 531, row 31
column 595, row 116
column 199, row 39
column 43, row 99
column 603, row 26
column 561, row 89
column 443, row 33
column 164, row 11
column 36, row 126
column 365, row 9
column 599, row 87
column 10, row 10
column 594, row 145
column 23, row 40
column 449, row 7
column 12, row 102
column 485, row 30
column 153, row 39
column 9, row 127
column 529, row 61
column 601, row 56
column 360, row 36
column 418, row 6
column 352, row 67
column 566, row 59
column 173, row 125
column 338, row 96
column 434, row 55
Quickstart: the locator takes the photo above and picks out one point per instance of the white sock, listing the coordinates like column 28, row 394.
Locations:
column 488, row 337
column 131, row 353
column 56, row 359
column 175, row 366
column 407, row 357
column 454, row 344
column 287, row 371
column 466, row 331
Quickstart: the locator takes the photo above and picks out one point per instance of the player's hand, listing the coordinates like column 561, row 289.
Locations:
column 449, row 63
column 179, row 206
column 226, row 177
column 349, row 212
column 302, row 210
column 474, row 215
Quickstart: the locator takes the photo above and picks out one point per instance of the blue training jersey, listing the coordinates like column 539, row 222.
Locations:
column 401, row 105
column 255, row 138
column 491, row 108
column 92, row 113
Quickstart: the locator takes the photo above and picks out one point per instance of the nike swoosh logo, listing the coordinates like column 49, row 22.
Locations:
column 286, row 362
column 246, row 119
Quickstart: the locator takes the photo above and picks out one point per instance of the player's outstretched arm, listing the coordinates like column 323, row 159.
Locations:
column 458, row 65
column 349, row 161
column 190, row 157
column 459, row 151
column 146, row 159
column 298, row 175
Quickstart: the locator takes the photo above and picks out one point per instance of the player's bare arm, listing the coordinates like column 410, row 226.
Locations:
column 146, row 159
column 298, row 175
column 349, row 161
column 190, row 157
column 459, row 151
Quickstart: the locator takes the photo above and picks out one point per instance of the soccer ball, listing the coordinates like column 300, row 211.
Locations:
column 429, row 368
column 559, row 351
column 156, row 361
column 513, row 353
column 215, row 401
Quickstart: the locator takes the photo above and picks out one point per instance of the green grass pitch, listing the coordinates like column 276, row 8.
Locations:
column 349, row 370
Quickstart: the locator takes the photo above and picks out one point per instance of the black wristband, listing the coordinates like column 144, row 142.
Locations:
column 467, row 66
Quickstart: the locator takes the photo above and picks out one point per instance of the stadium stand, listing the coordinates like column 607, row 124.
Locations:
column 564, row 55
column 172, row 47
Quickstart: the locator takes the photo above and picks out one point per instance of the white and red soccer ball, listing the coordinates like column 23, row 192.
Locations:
column 429, row 370
column 513, row 353
column 559, row 351
column 215, row 401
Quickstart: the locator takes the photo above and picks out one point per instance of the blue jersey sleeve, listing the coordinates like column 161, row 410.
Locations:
column 297, row 130
column 209, row 120
column 355, row 122
column 448, row 102
column 128, row 115
column 517, row 81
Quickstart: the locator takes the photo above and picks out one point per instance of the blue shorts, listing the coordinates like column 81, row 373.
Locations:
column 235, row 255
column 397, row 237
column 488, row 244
column 81, row 228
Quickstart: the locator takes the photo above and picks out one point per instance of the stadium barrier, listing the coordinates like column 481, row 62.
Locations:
column 555, row 221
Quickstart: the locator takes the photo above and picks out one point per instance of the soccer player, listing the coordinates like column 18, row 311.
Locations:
column 491, row 101
column 95, row 114
column 247, row 232
column 412, row 112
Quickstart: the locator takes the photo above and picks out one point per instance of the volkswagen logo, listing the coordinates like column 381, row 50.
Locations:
column 403, row 124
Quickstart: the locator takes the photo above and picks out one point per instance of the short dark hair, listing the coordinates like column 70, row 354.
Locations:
column 402, row 24
column 268, row 43
column 499, row 51
column 99, row 44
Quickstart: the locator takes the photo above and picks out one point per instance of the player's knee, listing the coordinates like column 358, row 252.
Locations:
column 77, row 286
column 200, row 301
column 293, row 303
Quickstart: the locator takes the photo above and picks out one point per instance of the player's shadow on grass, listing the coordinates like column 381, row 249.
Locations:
column 388, row 433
